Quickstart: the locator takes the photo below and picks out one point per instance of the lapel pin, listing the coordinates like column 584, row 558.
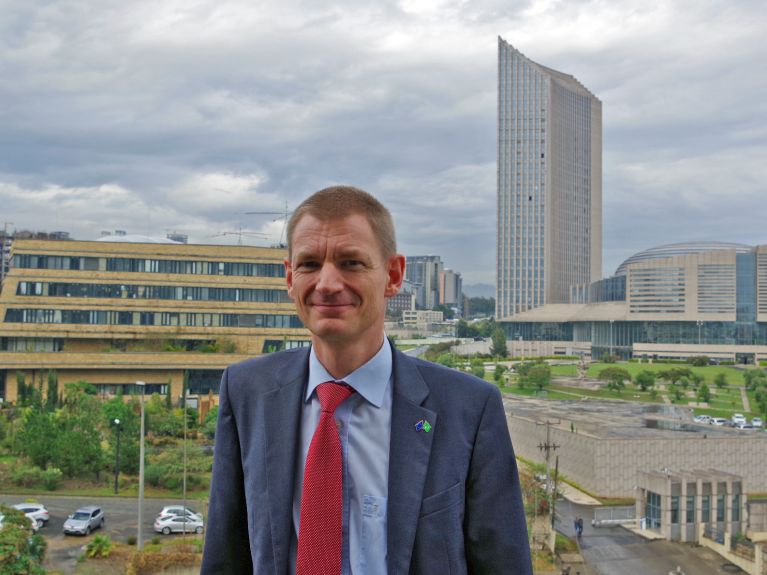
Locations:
column 423, row 425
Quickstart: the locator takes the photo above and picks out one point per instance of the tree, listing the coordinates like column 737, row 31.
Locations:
column 21, row 388
column 498, row 348
column 478, row 367
column 720, row 380
column 480, row 306
column 537, row 374
column 77, row 446
column 754, row 378
column 616, row 377
column 117, row 408
column 446, row 359
column 645, row 379
column 704, row 394
column 209, row 425
column 675, row 374
column 699, row 360
column 52, row 394
column 498, row 373
column 20, row 554
column 37, row 437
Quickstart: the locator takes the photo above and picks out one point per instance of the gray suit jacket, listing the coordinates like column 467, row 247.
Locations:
column 454, row 501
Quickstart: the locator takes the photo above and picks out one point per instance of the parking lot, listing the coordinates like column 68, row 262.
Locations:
column 121, row 522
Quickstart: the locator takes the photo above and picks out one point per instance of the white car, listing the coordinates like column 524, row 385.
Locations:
column 179, row 511
column 35, row 511
column 718, row 421
column 34, row 525
column 744, row 426
column 702, row 418
column 738, row 418
column 167, row 524
column 757, row 422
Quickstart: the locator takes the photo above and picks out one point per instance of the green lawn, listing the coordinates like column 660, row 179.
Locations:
column 564, row 370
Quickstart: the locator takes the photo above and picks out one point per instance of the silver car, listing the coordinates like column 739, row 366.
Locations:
column 84, row 520
column 167, row 524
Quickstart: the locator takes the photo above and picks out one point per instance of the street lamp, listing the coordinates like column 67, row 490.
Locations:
column 117, row 454
column 139, row 538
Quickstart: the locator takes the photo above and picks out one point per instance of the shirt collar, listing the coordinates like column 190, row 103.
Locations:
column 369, row 380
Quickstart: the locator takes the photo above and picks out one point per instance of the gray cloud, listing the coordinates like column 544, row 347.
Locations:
column 152, row 116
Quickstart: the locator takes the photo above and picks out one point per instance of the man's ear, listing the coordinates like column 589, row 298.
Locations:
column 289, row 276
column 396, row 275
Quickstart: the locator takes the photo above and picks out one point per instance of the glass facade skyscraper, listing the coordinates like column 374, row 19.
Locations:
column 549, row 236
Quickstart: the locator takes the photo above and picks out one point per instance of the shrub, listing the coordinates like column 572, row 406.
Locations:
column 26, row 475
column 131, row 540
column 99, row 546
column 699, row 360
column 51, row 478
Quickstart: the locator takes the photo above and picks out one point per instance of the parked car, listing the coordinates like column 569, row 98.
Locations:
column 167, row 524
column 744, row 426
column 35, row 511
column 720, row 421
column 757, row 422
column 738, row 418
column 180, row 511
column 702, row 419
column 84, row 520
column 34, row 525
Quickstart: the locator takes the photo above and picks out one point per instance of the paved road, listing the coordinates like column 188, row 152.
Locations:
column 617, row 551
column 121, row 514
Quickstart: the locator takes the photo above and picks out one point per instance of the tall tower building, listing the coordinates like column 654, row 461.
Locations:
column 549, row 184
column 423, row 272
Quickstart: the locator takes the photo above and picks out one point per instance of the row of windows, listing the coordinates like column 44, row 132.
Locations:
column 140, row 265
column 193, row 293
column 705, row 508
column 103, row 317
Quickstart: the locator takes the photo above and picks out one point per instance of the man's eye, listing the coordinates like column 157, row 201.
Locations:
column 353, row 264
column 306, row 265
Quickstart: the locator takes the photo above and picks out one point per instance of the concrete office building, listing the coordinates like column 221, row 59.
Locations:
column 604, row 445
column 673, row 301
column 127, row 309
column 450, row 289
column 549, row 185
column 423, row 272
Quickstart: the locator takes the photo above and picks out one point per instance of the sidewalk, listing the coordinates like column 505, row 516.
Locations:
column 575, row 495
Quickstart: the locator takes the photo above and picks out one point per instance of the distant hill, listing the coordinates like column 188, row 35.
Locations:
column 479, row 290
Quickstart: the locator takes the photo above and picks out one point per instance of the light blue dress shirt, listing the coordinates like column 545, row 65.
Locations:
column 364, row 426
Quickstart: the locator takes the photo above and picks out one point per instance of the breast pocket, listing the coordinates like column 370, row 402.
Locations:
column 373, row 548
column 439, row 548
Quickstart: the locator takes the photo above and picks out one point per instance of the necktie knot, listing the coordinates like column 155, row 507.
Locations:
column 332, row 394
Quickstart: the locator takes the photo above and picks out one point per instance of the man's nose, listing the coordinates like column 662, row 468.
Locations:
column 329, row 279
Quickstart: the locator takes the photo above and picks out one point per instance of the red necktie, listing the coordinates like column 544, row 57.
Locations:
column 320, row 531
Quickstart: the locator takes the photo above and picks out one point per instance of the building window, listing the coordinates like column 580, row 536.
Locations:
column 690, row 513
column 720, row 508
column 705, row 508
column 652, row 510
column 674, row 509
column 736, row 507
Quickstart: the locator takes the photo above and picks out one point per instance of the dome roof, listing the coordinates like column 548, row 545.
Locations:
column 681, row 249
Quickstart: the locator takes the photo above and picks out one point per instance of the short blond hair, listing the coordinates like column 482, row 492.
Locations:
column 339, row 202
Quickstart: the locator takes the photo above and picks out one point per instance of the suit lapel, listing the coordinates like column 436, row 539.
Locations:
column 409, row 453
column 282, row 421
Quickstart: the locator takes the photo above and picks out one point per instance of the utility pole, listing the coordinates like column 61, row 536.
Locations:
column 547, row 448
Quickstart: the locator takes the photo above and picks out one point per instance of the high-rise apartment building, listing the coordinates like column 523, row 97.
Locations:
column 549, row 184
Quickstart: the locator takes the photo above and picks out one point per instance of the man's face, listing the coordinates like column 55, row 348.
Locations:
column 339, row 279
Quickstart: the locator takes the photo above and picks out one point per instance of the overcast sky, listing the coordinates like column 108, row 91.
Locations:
column 160, row 115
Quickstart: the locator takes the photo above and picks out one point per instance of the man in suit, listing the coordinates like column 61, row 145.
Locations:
column 421, row 475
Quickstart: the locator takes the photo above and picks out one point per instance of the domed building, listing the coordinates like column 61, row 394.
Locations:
column 670, row 301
